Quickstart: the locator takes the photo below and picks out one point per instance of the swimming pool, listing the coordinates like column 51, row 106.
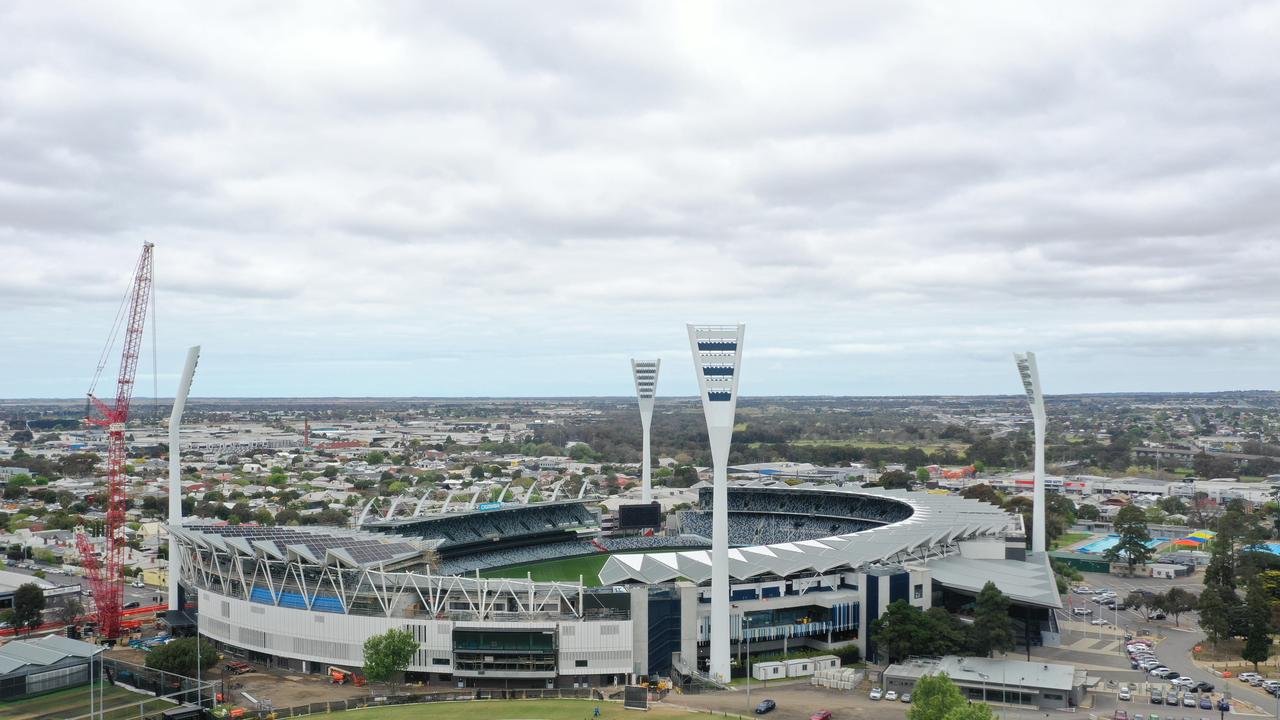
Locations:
column 1097, row 547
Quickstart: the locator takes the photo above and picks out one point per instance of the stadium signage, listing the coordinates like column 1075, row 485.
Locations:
column 489, row 506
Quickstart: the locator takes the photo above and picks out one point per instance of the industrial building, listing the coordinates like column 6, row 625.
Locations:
column 45, row 664
column 1014, row 682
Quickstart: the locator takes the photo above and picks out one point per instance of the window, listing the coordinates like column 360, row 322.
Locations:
column 439, row 661
column 579, row 663
column 918, row 591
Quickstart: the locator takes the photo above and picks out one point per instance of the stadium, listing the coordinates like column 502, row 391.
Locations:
column 810, row 567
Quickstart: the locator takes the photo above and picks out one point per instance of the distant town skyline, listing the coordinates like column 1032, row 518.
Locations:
column 392, row 200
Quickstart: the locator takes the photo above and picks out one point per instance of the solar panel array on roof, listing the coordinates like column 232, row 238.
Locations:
column 363, row 550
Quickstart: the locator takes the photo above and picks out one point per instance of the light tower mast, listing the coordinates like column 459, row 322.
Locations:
column 175, row 472
column 717, row 357
column 646, row 377
column 104, row 572
column 1031, row 384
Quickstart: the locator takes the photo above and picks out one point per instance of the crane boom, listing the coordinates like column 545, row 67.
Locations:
column 104, row 573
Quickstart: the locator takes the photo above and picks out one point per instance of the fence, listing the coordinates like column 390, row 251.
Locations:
column 421, row 699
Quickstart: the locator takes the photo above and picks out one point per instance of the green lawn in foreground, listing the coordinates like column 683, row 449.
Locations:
column 566, row 570
column 71, row 703
column 1066, row 539
column 521, row 710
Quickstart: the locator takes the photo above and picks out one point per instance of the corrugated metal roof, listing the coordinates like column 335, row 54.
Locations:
column 934, row 519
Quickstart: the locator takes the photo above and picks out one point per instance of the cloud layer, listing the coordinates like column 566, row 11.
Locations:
column 391, row 199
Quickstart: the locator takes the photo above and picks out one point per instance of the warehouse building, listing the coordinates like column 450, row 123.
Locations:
column 1014, row 682
column 46, row 664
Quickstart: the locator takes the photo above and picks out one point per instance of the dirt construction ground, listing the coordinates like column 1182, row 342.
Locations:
column 283, row 689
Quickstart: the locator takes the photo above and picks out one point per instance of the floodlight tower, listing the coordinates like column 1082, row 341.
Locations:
column 1031, row 383
column 717, row 357
column 645, row 373
column 175, row 472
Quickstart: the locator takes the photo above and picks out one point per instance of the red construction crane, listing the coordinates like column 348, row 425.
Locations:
column 104, row 572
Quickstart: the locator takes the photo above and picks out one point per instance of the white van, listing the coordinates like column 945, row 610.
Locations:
column 1081, row 611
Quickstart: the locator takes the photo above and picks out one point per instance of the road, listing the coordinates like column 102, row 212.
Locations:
column 1174, row 648
column 142, row 596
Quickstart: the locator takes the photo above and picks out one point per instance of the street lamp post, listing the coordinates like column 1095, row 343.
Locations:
column 985, row 677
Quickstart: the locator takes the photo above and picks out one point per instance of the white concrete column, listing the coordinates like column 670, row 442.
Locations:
column 717, row 356
column 1030, row 375
column 645, row 373
column 175, row 470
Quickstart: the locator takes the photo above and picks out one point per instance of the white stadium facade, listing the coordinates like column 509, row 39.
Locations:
column 810, row 566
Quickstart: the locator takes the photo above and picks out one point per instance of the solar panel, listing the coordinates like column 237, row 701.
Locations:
column 362, row 550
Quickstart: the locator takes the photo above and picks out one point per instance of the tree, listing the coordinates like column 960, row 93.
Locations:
column 992, row 625
column 1215, row 619
column 69, row 610
column 896, row 480
column 288, row 516
column 983, row 492
column 975, row 711
column 181, row 656
column 1131, row 548
column 1257, row 640
column 934, row 698
column 1087, row 512
column 1175, row 602
column 922, row 475
column 28, row 606
column 1136, row 600
column 386, row 656
column 899, row 632
column 375, row 457
column 330, row 472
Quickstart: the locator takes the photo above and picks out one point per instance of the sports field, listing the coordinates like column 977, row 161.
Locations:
column 566, row 570
column 522, row 710
column 75, row 702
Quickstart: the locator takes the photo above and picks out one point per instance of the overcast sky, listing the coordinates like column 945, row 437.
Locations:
column 513, row 199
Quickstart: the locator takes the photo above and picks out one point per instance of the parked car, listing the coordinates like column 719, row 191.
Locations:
column 1081, row 611
column 1120, row 715
column 1155, row 615
column 1246, row 676
column 765, row 706
column 1188, row 700
column 1157, row 697
column 1205, row 703
column 1098, row 621
column 906, row 698
column 132, row 605
column 235, row 667
column 891, row 695
column 821, row 715
column 138, row 584
column 1126, row 693
column 876, row 693
column 1202, row 687
column 1171, row 698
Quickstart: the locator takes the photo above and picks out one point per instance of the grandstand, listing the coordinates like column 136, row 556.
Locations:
column 510, row 526
column 810, row 567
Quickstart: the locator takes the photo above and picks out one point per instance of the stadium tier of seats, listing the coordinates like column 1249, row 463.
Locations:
column 513, row 524
column 843, row 506
column 504, row 557
column 749, row 528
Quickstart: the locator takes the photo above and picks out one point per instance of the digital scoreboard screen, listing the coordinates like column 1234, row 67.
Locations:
column 631, row 517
